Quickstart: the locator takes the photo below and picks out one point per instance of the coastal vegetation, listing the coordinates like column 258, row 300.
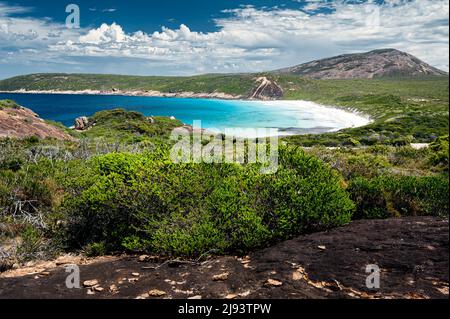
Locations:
column 114, row 189
column 404, row 110
column 234, row 84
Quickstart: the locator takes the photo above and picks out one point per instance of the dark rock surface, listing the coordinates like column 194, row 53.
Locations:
column 412, row 253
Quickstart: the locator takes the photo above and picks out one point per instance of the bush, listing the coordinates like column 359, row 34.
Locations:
column 439, row 156
column 303, row 196
column 395, row 196
column 8, row 104
column 144, row 203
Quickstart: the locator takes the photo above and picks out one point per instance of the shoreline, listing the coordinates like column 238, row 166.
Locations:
column 353, row 117
column 215, row 95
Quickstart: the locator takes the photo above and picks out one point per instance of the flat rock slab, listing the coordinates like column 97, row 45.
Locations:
column 412, row 254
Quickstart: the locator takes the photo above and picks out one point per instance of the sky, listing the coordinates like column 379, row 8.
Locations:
column 180, row 37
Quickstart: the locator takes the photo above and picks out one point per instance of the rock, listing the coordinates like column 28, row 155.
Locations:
column 231, row 296
column 322, row 247
column 99, row 289
column 156, row 293
column 266, row 90
column 143, row 258
column 195, row 297
column 22, row 123
column 151, row 120
column 90, row 283
column 171, row 282
column 81, row 123
column 221, row 277
column 245, row 260
column 135, row 274
column 64, row 260
column 173, row 118
column 298, row 275
column 113, row 289
column 273, row 283
column 90, row 292
column 184, row 292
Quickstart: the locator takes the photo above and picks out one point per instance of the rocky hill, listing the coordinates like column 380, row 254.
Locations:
column 373, row 64
column 20, row 122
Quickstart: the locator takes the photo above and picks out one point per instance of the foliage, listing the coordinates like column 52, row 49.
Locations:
column 230, row 84
column 8, row 104
column 395, row 196
column 115, row 188
column 145, row 203
column 403, row 110
column 439, row 156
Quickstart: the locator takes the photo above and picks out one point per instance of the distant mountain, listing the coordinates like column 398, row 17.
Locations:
column 261, row 86
column 373, row 64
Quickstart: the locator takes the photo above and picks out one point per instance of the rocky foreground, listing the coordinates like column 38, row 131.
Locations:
column 21, row 122
column 413, row 254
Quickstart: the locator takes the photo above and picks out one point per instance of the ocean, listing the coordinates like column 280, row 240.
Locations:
column 290, row 117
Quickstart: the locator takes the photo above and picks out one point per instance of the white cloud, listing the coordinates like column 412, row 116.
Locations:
column 248, row 39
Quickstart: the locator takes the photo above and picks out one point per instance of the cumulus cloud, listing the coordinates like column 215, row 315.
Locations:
column 251, row 39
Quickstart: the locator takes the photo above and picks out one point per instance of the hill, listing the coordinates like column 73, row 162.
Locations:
column 386, row 63
column 373, row 64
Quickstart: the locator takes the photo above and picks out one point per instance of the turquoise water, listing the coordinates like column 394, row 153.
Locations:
column 289, row 116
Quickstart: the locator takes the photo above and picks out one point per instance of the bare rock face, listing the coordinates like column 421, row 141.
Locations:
column 81, row 123
column 21, row 122
column 266, row 90
column 374, row 64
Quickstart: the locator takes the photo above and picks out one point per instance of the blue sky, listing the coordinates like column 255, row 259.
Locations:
column 175, row 37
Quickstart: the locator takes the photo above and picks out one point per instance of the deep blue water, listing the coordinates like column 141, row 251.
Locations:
column 217, row 114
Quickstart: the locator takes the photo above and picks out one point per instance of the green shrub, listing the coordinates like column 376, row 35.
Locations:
column 95, row 249
column 8, row 104
column 439, row 156
column 13, row 164
column 303, row 196
column 395, row 196
column 30, row 245
column 145, row 203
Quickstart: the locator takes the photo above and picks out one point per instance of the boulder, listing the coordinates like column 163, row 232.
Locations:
column 81, row 123
column 266, row 90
